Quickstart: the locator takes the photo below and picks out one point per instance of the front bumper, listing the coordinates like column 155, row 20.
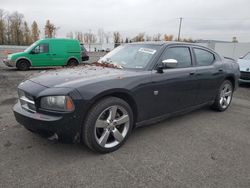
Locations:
column 66, row 126
column 85, row 58
column 244, row 77
column 9, row 63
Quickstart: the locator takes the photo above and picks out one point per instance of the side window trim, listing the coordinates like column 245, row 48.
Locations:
column 178, row 46
column 195, row 58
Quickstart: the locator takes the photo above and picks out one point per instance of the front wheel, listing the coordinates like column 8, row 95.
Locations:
column 224, row 96
column 107, row 125
column 23, row 65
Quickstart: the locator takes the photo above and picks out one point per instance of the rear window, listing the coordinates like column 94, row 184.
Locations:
column 203, row 57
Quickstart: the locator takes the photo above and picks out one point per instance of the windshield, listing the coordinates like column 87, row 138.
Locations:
column 247, row 57
column 131, row 55
column 31, row 47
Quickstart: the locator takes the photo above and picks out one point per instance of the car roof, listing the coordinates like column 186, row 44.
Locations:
column 57, row 39
column 166, row 43
column 161, row 43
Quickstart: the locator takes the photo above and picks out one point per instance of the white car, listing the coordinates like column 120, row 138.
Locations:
column 244, row 64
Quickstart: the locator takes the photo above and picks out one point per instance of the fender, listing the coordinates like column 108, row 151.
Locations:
column 25, row 59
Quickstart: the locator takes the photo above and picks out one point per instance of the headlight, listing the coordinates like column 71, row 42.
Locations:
column 57, row 103
column 9, row 57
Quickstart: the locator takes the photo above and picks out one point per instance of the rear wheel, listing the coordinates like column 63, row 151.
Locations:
column 23, row 65
column 72, row 63
column 107, row 125
column 224, row 96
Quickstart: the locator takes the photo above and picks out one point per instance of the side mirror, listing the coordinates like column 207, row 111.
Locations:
column 169, row 63
column 241, row 57
column 32, row 52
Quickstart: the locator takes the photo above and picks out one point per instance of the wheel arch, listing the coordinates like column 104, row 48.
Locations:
column 231, row 78
column 122, row 94
column 23, row 58
column 72, row 57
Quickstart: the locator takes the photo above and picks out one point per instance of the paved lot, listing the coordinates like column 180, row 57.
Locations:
column 200, row 149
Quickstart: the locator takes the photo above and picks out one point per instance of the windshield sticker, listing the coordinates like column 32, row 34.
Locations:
column 147, row 50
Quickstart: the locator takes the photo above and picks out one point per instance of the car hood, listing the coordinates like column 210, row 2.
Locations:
column 72, row 77
column 244, row 64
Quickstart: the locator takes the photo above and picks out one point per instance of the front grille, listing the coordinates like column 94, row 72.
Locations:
column 27, row 101
column 245, row 75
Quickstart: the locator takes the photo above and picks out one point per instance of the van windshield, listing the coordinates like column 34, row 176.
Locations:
column 30, row 47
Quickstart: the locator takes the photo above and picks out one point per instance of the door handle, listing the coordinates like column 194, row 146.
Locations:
column 220, row 70
column 192, row 73
column 53, row 54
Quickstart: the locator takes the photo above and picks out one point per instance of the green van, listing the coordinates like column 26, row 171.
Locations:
column 47, row 52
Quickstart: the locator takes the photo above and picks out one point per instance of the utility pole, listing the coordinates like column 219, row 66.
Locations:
column 180, row 28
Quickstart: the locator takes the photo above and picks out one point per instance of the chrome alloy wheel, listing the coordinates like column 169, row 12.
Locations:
column 226, row 95
column 112, row 126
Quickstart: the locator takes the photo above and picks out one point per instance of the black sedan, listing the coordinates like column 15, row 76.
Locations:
column 133, row 85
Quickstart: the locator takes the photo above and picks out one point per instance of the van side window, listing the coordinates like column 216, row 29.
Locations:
column 203, row 57
column 42, row 48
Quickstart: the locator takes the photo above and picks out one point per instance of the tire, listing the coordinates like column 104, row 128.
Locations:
column 23, row 65
column 224, row 96
column 72, row 63
column 104, row 131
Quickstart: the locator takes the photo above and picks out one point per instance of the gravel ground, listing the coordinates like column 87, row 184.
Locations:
column 200, row 149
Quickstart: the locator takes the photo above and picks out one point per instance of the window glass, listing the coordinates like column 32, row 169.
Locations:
column 42, row 48
column 136, row 56
column 181, row 54
column 203, row 57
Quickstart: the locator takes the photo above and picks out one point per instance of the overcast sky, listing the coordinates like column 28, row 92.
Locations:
column 210, row 19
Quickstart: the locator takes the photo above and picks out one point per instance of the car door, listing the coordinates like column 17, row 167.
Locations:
column 40, row 55
column 209, row 72
column 175, row 88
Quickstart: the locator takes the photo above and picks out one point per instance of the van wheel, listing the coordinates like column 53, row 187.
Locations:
column 107, row 125
column 23, row 65
column 72, row 62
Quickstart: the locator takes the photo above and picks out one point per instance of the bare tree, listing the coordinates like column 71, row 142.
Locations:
column 117, row 38
column 157, row 37
column 34, row 32
column 139, row 37
column 26, row 34
column 79, row 36
column 89, row 37
column 50, row 29
column 2, row 27
column 8, row 29
column 101, row 35
column 168, row 37
column 107, row 36
column 16, row 21
column 185, row 40
column 148, row 38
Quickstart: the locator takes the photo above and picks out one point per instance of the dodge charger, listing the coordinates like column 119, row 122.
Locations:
column 133, row 85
